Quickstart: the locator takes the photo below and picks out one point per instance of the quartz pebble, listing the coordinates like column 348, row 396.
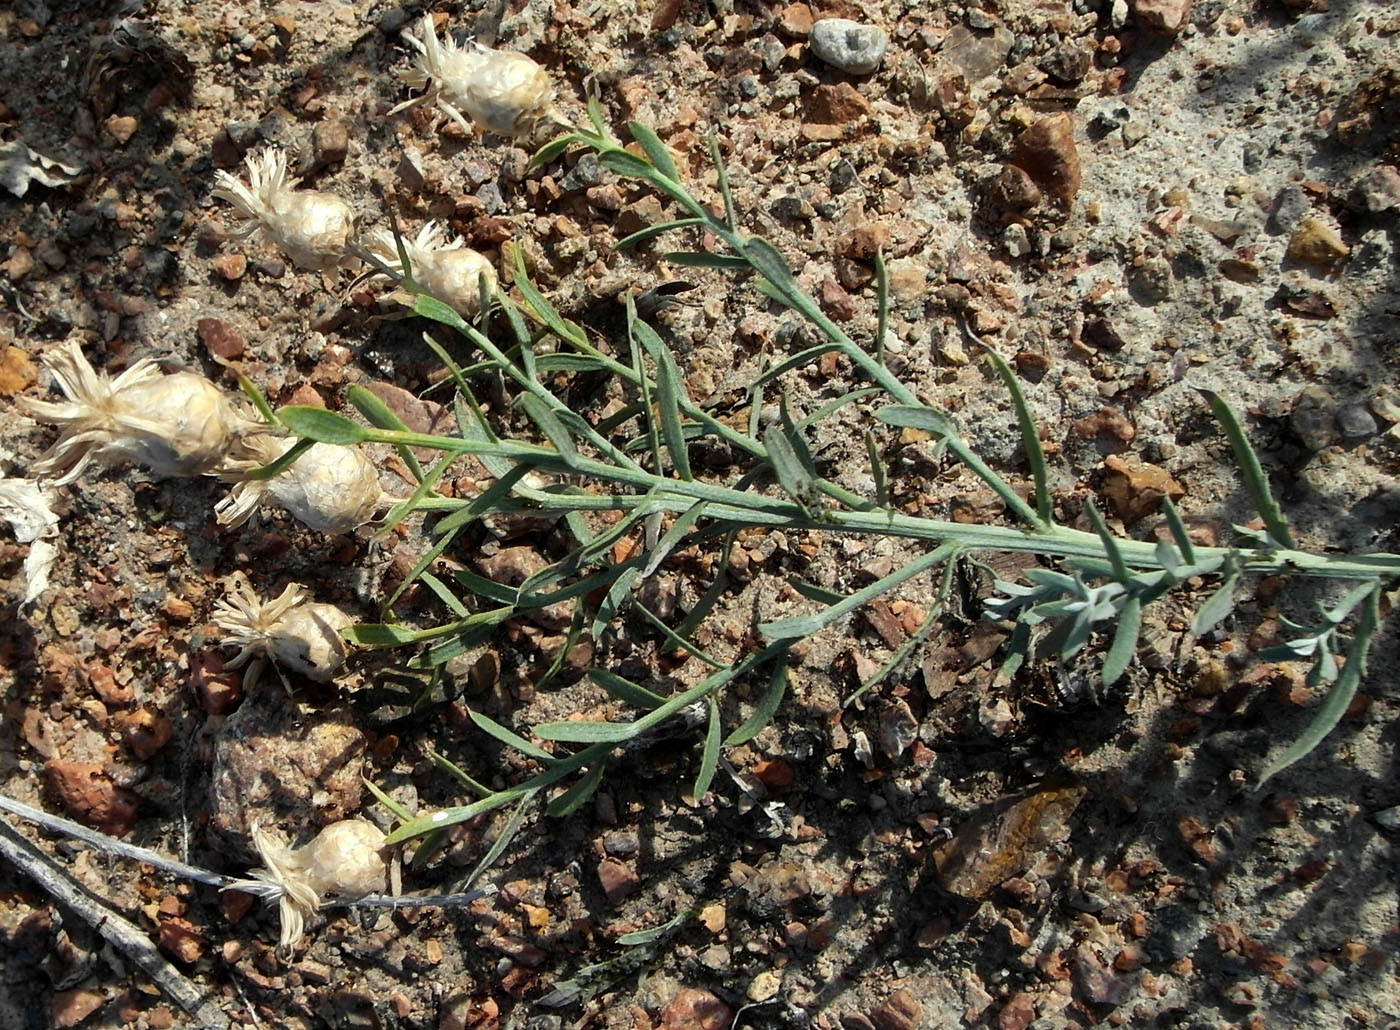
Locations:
column 848, row 45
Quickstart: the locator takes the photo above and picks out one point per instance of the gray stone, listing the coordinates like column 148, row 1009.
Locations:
column 848, row 45
column 1356, row 422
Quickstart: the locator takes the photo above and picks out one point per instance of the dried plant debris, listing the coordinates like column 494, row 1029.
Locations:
column 20, row 166
column 346, row 860
column 27, row 507
column 176, row 424
column 296, row 633
column 501, row 91
column 132, row 57
column 1006, row 840
column 312, row 228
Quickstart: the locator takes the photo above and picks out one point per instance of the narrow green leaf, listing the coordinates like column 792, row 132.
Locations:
column 768, row 703
column 1030, row 436
column 1110, row 543
column 1248, row 460
column 796, row 479
column 1179, row 531
column 656, row 151
column 709, row 757
column 570, row 639
column 551, row 150
column 573, row 798
column 626, row 691
column 722, row 180
column 502, row 841
column 806, row 625
column 321, row 425
column 390, row 635
column 701, row 259
column 587, row 732
column 1125, row 638
column 487, row 501
column 614, row 599
column 1069, row 634
column 550, row 426
column 770, row 263
column 377, row 414
column 542, row 308
column 1219, row 604
column 657, row 932
column 432, row 308
column 279, row 465
column 595, row 115
column 487, row 588
column 255, row 395
column 446, row 596
column 801, row 358
column 509, row 738
column 882, row 306
column 909, row 417
column 400, row 813
column 459, row 774
column 832, row 406
column 670, row 392
column 652, row 231
column 623, row 163
column 1338, row 698
column 676, row 641
column 877, row 470
column 813, row 592
column 1020, row 648
column 565, row 361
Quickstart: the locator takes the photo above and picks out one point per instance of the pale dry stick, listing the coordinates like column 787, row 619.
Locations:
column 112, row 845
column 125, row 936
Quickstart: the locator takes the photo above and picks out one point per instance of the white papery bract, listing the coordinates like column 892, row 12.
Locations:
column 312, row 228
column 445, row 267
column 330, row 488
column 178, row 424
column 501, row 91
column 345, row 861
column 296, row 633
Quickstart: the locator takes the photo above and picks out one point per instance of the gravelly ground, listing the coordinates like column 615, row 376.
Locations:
column 1234, row 227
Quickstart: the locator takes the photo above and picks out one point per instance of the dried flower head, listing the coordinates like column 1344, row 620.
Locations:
column 345, row 861
column 500, row 90
column 314, row 229
column 332, row 489
column 301, row 635
column 175, row 425
column 443, row 266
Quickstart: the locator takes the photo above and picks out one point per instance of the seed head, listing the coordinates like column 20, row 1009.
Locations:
column 345, row 861
column 500, row 90
column 332, row 489
column 445, row 267
column 314, row 229
column 296, row 633
column 175, row 425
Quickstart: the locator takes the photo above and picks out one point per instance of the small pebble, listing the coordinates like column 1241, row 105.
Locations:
column 1356, row 422
column 230, row 267
column 1316, row 243
column 848, row 45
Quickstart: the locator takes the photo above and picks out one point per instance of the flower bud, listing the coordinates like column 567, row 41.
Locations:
column 346, row 860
